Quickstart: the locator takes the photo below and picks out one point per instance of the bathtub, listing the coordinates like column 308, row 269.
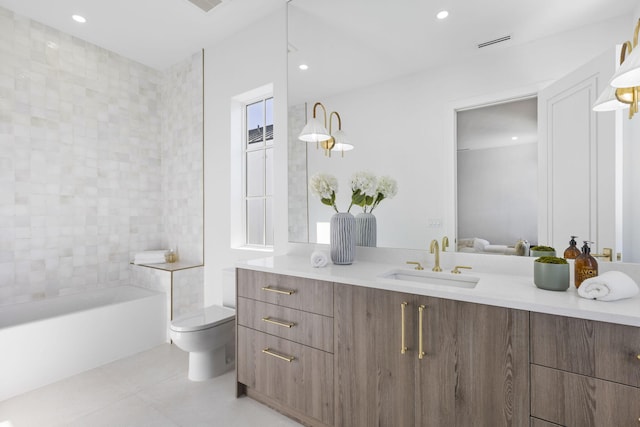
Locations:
column 47, row 340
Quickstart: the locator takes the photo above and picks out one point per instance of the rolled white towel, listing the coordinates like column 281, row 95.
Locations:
column 319, row 259
column 609, row 286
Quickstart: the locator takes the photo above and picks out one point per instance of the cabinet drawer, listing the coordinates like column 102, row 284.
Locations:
column 302, row 327
column 576, row 400
column 597, row 349
column 305, row 383
column 310, row 295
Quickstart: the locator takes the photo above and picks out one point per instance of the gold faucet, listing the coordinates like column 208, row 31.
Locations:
column 456, row 269
column 607, row 254
column 434, row 249
column 417, row 264
column 445, row 243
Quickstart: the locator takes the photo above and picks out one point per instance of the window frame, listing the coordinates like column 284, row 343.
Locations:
column 265, row 197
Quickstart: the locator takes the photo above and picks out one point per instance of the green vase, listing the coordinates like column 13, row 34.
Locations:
column 552, row 277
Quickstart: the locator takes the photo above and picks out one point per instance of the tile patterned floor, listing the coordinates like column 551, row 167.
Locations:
column 147, row 389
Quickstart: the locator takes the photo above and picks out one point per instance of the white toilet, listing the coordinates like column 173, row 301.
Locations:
column 209, row 336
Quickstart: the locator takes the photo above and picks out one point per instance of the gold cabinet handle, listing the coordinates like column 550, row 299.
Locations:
column 278, row 356
column 278, row 291
column 278, row 322
column 420, row 343
column 638, row 356
column 403, row 346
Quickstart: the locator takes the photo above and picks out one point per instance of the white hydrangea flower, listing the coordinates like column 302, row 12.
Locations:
column 388, row 187
column 366, row 182
column 323, row 185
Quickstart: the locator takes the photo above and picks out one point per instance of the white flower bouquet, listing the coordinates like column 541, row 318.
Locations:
column 367, row 191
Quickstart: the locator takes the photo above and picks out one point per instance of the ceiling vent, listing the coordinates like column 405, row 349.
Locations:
column 205, row 5
column 494, row 41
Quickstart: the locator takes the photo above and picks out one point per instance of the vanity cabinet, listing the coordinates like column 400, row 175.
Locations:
column 474, row 370
column 584, row 373
column 285, row 344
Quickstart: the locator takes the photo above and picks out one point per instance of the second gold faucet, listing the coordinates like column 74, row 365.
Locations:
column 434, row 249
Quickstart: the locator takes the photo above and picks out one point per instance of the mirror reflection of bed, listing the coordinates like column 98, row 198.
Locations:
column 497, row 155
column 483, row 246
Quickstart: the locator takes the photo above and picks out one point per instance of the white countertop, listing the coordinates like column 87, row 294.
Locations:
column 512, row 291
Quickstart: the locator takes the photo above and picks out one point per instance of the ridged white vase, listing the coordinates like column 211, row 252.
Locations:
column 343, row 238
column 366, row 230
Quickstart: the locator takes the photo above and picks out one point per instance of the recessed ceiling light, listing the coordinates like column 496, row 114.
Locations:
column 79, row 18
column 442, row 14
column 303, row 67
column 514, row 138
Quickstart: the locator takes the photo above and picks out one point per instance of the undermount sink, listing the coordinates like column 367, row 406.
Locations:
column 432, row 278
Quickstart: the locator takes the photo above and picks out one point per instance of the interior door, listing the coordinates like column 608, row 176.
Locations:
column 576, row 167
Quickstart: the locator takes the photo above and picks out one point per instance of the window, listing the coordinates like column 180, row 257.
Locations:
column 258, row 173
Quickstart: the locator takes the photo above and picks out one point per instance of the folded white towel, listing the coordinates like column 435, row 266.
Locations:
column 160, row 252
column 319, row 259
column 150, row 257
column 609, row 286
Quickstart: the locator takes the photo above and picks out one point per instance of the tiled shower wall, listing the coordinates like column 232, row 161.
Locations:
column 182, row 162
column 81, row 171
column 297, row 164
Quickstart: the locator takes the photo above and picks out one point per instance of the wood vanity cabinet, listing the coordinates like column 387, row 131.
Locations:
column 584, row 373
column 285, row 344
column 474, row 371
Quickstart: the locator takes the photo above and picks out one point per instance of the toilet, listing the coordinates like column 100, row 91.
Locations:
column 209, row 336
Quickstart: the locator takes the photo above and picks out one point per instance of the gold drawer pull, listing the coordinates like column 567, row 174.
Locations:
column 638, row 356
column 403, row 346
column 279, row 356
column 279, row 322
column 421, row 352
column 278, row 291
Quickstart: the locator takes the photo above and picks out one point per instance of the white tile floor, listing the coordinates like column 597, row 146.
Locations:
column 148, row 389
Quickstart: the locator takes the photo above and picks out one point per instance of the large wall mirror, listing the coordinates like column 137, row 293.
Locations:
column 399, row 78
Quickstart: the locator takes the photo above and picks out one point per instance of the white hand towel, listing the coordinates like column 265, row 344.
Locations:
column 609, row 286
column 319, row 259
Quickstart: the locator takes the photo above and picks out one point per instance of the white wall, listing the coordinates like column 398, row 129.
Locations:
column 497, row 194
column 404, row 127
column 250, row 59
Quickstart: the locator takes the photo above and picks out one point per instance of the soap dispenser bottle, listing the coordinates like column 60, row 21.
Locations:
column 572, row 252
column 586, row 266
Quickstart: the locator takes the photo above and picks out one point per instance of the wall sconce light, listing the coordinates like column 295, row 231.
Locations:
column 316, row 131
column 625, row 83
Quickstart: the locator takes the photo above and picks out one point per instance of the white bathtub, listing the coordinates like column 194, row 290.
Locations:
column 45, row 341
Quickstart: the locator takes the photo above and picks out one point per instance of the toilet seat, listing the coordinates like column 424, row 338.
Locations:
column 203, row 318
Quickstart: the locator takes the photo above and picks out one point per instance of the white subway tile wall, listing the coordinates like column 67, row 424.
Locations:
column 297, row 163
column 188, row 291
column 95, row 152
